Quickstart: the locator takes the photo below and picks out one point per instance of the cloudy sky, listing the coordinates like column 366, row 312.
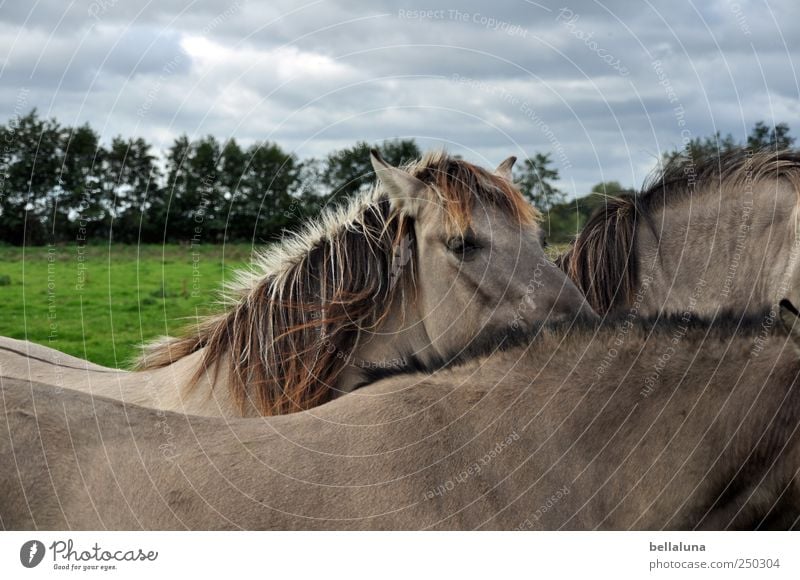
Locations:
column 604, row 86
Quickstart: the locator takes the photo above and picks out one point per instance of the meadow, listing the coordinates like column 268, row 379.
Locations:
column 102, row 302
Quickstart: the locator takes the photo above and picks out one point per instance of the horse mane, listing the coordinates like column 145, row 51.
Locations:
column 602, row 260
column 295, row 316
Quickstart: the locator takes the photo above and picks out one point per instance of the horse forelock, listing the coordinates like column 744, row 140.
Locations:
column 459, row 185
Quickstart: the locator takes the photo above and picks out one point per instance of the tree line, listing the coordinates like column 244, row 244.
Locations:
column 60, row 183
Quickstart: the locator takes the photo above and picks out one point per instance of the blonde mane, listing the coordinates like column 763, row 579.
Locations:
column 293, row 319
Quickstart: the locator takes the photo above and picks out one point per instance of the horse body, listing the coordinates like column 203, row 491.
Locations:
column 525, row 438
column 162, row 388
column 438, row 255
column 22, row 358
column 703, row 235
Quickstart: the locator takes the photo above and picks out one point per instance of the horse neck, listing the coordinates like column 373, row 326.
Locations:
column 729, row 247
column 400, row 336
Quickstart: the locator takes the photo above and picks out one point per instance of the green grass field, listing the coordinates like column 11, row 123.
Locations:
column 101, row 302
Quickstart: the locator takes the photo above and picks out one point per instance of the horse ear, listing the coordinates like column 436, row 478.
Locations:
column 504, row 169
column 405, row 191
column 790, row 319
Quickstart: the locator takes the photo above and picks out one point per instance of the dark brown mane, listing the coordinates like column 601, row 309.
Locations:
column 603, row 262
column 294, row 320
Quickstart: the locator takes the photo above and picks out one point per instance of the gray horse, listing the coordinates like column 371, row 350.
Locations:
column 704, row 234
column 438, row 254
column 674, row 424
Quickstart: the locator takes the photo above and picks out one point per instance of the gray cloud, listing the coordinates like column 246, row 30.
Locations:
column 484, row 80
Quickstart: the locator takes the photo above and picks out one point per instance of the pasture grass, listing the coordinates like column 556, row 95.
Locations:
column 555, row 250
column 101, row 302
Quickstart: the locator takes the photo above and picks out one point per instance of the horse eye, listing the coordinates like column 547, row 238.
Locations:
column 462, row 246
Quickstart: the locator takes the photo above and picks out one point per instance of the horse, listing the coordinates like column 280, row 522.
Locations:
column 707, row 233
column 438, row 254
column 666, row 423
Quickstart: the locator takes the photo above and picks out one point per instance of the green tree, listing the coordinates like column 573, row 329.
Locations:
column 262, row 202
column 203, row 201
column 31, row 160
column 535, row 178
column 765, row 137
column 762, row 136
column 703, row 147
column 566, row 219
column 132, row 191
column 77, row 207
column 176, row 203
column 233, row 167
column 349, row 170
column 310, row 192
